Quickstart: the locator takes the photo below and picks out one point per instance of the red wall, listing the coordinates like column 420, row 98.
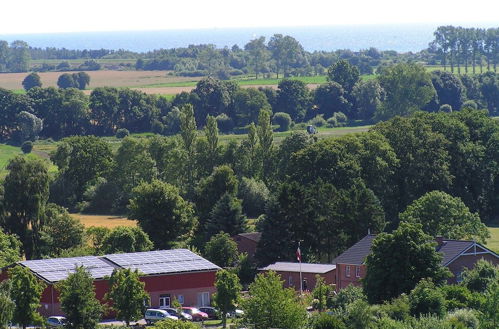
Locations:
column 343, row 280
column 187, row 284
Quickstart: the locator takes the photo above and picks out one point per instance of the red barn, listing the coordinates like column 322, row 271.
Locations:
column 167, row 274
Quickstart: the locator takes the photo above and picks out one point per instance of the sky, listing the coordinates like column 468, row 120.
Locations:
column 53, row 16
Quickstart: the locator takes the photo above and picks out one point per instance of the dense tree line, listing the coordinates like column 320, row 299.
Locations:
column 398, row 90
column 14, row 57
column 459, row 46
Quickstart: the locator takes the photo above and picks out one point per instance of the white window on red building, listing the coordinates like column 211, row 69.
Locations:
column 180, row 299
column 204, row 299
column 164, row 301
column 290, row 280
column 347, row 271
column 357, row 271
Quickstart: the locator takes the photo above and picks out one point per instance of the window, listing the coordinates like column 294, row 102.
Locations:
column 180, row 299
column 204, row 299
column 290, row 280
column 347, row 271
column 164, row 301
column 357, row 271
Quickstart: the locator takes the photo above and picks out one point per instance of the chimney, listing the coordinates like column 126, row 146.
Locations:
column 439, row 240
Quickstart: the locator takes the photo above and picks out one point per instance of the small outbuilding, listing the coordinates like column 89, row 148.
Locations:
column 290, row 273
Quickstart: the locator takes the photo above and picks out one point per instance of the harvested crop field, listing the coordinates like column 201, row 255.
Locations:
column 104, row 220
column 102, row 78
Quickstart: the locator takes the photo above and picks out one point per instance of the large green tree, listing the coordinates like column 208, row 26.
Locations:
column 344, row 73
column 81, row 160
column 408, row 89
column 26, row 293
column 293, row 98
column 7, row 305
column 227, row 295
column 409, row 254
column 227, row 216
column 270, row 305
column 221, row 250
column 10, row 249
column 26, row 190
column 78, row 301
column 441, row 214
column 32, row 80
column 127, row 294
column 126, row 239
column 162, row 213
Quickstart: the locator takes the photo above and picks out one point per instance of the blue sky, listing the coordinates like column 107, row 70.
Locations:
column 42, row 16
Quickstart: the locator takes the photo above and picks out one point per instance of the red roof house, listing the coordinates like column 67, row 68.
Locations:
column 247, row 242
column 457, row 255
column 177, row 273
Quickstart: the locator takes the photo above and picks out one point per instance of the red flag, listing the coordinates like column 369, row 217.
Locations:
column 298, row 254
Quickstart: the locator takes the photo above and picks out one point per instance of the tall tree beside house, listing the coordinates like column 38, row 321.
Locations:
column 10, row 248
column 399, row 260
column 162, row 213
column 127, row 295
column 78, row 301
column 227, row 295
column 442, row 214
column 26, row 292
column 221, row 250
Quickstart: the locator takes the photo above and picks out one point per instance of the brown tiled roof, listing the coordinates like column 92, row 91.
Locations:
column 450, row 249
column 295, row 267
column 254, row 236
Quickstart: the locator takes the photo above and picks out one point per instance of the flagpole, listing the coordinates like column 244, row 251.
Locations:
column 301, row 279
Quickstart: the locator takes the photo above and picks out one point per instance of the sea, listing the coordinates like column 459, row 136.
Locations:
column 400, row 37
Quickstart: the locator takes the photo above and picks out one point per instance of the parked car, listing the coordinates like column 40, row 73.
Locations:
column 182, row 315
column 56, row 321
column 196, row 314
column 213, row 313
column 236, row 314
column 153, row 315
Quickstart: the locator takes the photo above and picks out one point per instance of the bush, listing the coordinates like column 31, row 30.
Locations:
column 157, row 127
column 225, row 124
column 398, row 308
column 254, row 194
column 326, row 321
column 27, row 147
column 318, row 121
column 347, row 296
column 445, row 108
column 463, row 318
column 332, row 122
column 171, row 324
column 341, row 118
column 425, row 298
column 471, row 104
column 283, row 120
column 122, row 133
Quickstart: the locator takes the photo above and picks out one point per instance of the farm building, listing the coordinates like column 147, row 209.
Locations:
column 290, row 273
column 167, row 274
column 457, row 255
column 247, row 242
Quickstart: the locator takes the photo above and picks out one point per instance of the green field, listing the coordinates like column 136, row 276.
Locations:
column 493, row 242
column 8, row 152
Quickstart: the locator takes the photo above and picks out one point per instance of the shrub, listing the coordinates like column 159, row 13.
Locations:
column 347, row 296
column 171, row 324
column 470, row 104
column 318, row 121
column 122, row 133
column 398, row 308
column 332, row 122
column 445, row 108
column 463, row 318
column 27, row 147
column 225, row 124
column 341, row 118
column 425, row 298
column 157, row 127
column 326, row 321
column 283, row 120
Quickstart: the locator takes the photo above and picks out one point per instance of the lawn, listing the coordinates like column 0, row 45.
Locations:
column 104, row 220
column 7, row 152
column 493, row 242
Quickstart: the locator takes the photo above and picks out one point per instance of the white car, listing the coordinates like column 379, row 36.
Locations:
column 56, row 321
column 153, row 315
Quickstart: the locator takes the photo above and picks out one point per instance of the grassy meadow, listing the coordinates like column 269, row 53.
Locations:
column 493, row 242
